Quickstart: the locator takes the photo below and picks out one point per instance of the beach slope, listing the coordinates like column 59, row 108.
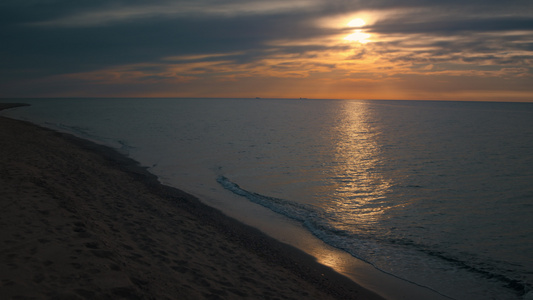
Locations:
column 80, row 221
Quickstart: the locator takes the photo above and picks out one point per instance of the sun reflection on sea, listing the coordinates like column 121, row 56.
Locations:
column 352, row 189
column 357, row 187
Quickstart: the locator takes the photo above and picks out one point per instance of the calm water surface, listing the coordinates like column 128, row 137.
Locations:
column 437, row 193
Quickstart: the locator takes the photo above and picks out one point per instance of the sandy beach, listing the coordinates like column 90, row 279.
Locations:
column 80, row 221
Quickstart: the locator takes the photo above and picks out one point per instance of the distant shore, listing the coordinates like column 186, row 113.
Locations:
column 81, row 221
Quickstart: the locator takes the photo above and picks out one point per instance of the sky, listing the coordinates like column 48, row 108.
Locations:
column 344, row 49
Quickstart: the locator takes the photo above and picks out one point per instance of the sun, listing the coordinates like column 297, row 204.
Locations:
column 358, row 35
column 357, row 22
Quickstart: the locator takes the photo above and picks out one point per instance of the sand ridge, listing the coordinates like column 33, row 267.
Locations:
column 80, row 221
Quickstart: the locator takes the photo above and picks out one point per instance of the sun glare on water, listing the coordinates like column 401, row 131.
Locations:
column 358, row 35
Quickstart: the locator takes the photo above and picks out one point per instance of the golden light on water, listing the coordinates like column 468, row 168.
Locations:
column 358, row 188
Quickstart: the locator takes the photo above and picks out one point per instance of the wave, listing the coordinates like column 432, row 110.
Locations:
column 382, row 253
column 296, row 211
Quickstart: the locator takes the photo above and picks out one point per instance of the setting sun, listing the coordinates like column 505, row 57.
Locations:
column 357, row 35
column 358, row 22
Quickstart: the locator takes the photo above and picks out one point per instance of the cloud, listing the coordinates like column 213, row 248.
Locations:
column 112, row 12
column 162, row 40
column 450, row 25
column 62, row 50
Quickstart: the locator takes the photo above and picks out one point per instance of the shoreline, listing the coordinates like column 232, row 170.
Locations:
column 102, row 225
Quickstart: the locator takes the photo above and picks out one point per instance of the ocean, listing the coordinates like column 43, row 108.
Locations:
column 439, row 194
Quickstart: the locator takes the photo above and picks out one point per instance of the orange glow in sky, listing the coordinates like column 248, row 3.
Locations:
column 304, row 48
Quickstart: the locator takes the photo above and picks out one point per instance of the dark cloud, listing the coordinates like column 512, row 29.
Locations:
column 40, row 40
column 407, row 25
column 478, row 34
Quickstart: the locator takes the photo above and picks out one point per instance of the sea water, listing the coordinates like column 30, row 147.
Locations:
column 436, row 193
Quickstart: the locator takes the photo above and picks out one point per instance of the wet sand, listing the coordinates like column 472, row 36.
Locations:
column 80, row 221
